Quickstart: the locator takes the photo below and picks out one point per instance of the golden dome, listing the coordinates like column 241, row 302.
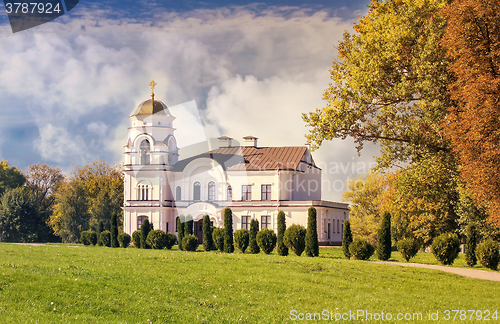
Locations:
column 151, row 107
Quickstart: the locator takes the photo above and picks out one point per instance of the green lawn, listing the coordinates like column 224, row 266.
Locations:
column 63, row 284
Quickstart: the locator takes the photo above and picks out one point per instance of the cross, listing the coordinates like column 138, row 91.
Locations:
column 152, row 84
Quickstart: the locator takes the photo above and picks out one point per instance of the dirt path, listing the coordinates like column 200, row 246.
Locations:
column 471, row 273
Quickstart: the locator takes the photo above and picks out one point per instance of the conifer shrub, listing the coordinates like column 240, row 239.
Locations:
column 171, row 238
column 384, row 238
column 281, row 247
column 180, row 230
column 228, row 229
column 445, row 248
column 114, row 230
column 218, row 237
column 266, row 240
column 145, row 229
column 93, row 237
column 253, row 247
column 105, row 238
column 85, row 238
column 488, row 254
column 208, row 241
column 157, row 239
column 408, row 247
column 346, row 238
column 100, row 229
column 312, row 244
column 470, row 245
column 124, row 240
column 242, row 239
column 361, row 249
column 136, row 239
column 188, row 225
column 295, row 238
column 190, row 242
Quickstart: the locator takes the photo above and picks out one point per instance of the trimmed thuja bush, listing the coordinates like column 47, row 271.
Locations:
column 445, row 248
column 190, row 242
column 208, row 241
column 124, row 240
column 93, row 237
column 488, row 254
column 100, row 228
column 470, row 245
column 86, row 238
column 295, row 238
column 384, row 238
column 266, row 240
column 114, row 230
column 136, row 239
column 281, row 247
column 188, row 225
column 105, row 238
column 408, row 247
column 228, row 228
column 157, row 239
column 145, row 229
column 180, row 230
column 346, row 238
column 361, row 249
column 254, row 229
column 218, row 236
column 241, row 239
column 312, row 244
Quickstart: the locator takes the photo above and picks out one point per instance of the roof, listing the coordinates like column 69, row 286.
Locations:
column 251, row 158
column 147, row 108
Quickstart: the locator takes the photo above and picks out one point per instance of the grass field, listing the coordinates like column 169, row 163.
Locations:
column 63, row 284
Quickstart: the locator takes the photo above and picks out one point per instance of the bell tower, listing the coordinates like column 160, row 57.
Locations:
column 149, row 155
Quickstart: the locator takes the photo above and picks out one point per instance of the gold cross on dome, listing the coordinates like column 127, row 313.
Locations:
column 152, row 84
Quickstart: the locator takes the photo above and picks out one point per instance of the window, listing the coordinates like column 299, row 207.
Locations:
column 143, row 192
column 245, row 222
column 144, row 150
column 197, row 191
column 229, row 193
column 178, row 192
column 211, row 191
column 265, row 222
column 246, row 192
column 266, row 192
column 140, row 219
column 338, row 226
column 328, row 230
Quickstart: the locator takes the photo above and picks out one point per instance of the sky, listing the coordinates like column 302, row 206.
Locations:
column 232, row 68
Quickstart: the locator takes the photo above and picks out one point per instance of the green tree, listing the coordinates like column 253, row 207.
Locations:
column 312, row 244
column 295, row 238
column 145, row 229
column 208, row 242
column 228, row 228
column 188, row 225
column 254, row 229
column 218, row 236
column 346, row 238
column 180, row 230
column 364, row 195
column 266, row 239
column 384, row 238
column 242, row 239
column 281, row 247
column 114, row 230
column 470, row 246
column 19, row 217
column 10, row 177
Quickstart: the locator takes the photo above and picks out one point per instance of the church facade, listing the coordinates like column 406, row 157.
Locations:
column 255, row 182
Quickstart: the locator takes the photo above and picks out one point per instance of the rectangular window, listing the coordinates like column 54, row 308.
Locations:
column 328, row 230
column 265, row 222
column 229, row 193
column 338, row 226
column 246, row 192
column 245, row 222
column 266, row 192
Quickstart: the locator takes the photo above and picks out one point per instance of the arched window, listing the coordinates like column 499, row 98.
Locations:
column 211, row 191
column 140, row 220
column 144, row 149
column 143, row 192
column 229, row 193
column 197, row 191
column 178, row 193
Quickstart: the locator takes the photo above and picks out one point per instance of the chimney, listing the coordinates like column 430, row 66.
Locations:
column 250, row 141
column 225, row 141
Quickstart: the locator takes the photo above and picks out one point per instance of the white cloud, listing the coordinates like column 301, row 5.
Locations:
column 57, row 144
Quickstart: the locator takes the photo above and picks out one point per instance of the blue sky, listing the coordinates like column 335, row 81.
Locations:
column 68, row 86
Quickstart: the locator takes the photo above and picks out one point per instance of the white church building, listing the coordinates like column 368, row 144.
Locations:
column 255, row 182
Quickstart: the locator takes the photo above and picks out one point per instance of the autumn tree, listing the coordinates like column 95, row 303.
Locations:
column 364, row 195
column 473, row 42
column 10, row 177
